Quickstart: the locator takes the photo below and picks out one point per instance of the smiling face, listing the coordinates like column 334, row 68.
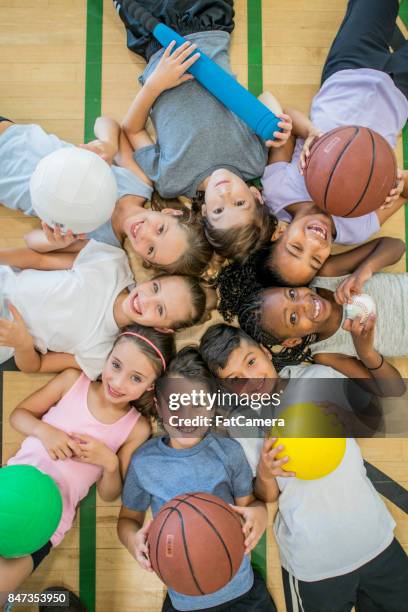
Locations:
column 162, row 303
column 252, row 362
column 229, row 202
column 127, row 373
column 303, row 248
column 158, row 237
column 289, row 314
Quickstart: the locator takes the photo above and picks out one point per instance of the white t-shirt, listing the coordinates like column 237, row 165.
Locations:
column 71, row 311
column 333, row 525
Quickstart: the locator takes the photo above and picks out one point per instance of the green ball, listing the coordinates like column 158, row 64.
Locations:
column 30, row 510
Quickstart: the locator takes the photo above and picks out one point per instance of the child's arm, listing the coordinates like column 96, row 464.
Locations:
column 114, row 465
column 50, row 239
column 124, row 158
column 26, row 417
column 266, row 487
column 133, row 535
column 370, row 370
column 362, row 262
column 255, row 515
column 106, row 145
column 168, row 73
column 25, row 258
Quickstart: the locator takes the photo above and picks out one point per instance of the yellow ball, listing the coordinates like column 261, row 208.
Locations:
column 310, row 457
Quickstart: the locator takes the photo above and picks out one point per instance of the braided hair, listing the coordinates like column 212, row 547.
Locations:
column 241, row 296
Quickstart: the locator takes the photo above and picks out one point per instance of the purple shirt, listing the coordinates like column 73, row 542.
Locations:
column 349, row 97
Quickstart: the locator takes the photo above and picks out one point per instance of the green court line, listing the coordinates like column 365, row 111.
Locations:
column 403, row 13
column 93, row 92
column 254, row 24
column 255, row 86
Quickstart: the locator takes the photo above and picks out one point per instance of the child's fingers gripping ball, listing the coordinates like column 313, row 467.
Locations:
column 314, row 444
column 361, row 306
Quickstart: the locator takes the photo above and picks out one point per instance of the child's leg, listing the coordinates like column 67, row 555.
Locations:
column 12, row 573
column 364, row 37
column 341, row 592
column 184, row 16
column 384, row 581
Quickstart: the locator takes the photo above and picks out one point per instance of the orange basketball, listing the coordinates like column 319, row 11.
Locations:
column 196, row 544
column 350, row 171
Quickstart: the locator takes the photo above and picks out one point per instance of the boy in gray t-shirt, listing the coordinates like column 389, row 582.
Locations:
column 196, row 462
column 201, row 146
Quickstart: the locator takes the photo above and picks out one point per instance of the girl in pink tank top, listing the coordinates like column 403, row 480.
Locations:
column 81, row 432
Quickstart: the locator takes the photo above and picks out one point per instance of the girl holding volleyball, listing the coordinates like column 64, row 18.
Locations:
column 81, row 432
column 362, row 84
column 164, row 239
column 317, row 318
column 66, row 312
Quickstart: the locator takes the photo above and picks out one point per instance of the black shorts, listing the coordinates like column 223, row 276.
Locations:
column 39, row 555
column 5, row 119
column 257, row 599
column 381, row 585
column 184, row 16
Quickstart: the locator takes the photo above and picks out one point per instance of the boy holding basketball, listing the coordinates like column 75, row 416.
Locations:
column 362, row 84
column 335, row 535
column 187, row 460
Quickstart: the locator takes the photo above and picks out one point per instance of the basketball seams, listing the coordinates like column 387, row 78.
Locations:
column 370, row 174
column 339, row 158
column 217, row 533
column 215, row 503
column 180, row 517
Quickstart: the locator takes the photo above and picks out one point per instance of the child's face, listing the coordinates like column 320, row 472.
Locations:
column 127, row 373
column 252, row 362
column 229, row 202
column 292, row 313
column 160, row 302
column 303, row 248
column 182, row 434
column 157, row 236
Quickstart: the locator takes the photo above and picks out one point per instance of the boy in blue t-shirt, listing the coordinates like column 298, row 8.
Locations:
column 167, row 466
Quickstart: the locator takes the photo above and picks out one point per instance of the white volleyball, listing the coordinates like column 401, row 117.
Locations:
column 361, row 306
column 73, row 188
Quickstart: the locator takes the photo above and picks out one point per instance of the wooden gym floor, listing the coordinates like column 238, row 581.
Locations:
column 62, row 62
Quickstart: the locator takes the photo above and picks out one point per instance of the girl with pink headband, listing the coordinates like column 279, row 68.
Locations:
column 81, row 432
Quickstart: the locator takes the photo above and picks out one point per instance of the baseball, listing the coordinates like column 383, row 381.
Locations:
column 361, row 306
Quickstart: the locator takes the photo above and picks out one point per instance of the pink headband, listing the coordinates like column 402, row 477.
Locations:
column 149, row 342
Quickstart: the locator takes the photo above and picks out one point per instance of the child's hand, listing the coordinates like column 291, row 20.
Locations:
column 170, row 71
column 15, row 333
column 105, row 150
column 57, row 443
column 268, row 465
column 58, row 240
column 395, row 192
column 281, row 138
column 141, row 547
column 305, row 154
column 363, row 336
column 96, row 452
column 255, row 520
column 352, row 285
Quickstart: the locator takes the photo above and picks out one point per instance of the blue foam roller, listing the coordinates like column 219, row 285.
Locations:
column 225, row 88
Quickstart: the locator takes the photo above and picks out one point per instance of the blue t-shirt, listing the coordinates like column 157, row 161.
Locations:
column 158, row 472
column 22, row 147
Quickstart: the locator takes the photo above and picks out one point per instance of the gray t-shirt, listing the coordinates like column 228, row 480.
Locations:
column 196, row 134
column 158, row 472
column 390, row 294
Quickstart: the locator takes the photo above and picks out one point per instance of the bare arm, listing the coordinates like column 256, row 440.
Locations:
column 377, row 254
column 124, row 157
column 269, row 467
column 25, row 258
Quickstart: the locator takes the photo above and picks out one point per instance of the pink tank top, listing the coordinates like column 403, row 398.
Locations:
column 73, row 478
